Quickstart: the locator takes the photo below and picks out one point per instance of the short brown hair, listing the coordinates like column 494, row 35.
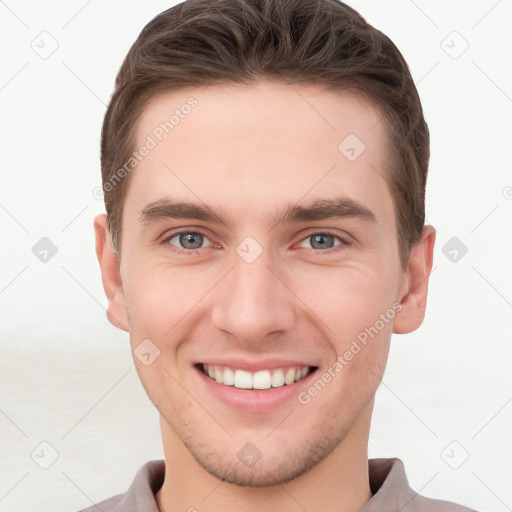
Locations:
column 200, row 42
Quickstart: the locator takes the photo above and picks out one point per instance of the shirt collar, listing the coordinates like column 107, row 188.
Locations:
column 388, row 484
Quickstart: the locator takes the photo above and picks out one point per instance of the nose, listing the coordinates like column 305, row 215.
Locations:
column 253, row 301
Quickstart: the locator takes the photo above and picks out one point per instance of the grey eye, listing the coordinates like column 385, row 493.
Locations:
column 189, row 240
column 322, row 241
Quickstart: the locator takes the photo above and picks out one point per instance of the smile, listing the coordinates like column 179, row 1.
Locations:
column 260, row 380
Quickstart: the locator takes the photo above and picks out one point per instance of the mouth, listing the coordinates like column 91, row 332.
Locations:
column 256, row 381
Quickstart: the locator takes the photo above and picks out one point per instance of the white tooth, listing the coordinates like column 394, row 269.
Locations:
column 243, row 379
column 229, row 377
column 261, row 380
column 264, row 379
column 278, row 379
column 289, row 378
column 218, row 374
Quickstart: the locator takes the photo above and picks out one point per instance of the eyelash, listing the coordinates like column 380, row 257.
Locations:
column 190, row 252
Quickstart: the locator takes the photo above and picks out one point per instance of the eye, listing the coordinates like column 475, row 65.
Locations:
column 188, row 241
column 324, row 241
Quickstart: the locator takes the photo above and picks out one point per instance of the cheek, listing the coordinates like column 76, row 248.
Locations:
column 157, row 297
column 346, row 299
column 157, row 312
column 355, row 308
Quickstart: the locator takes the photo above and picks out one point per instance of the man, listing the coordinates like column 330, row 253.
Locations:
column 264, row 166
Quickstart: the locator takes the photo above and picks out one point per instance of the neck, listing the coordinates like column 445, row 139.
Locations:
column 338, row 483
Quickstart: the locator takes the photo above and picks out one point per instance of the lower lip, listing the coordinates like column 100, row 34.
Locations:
column 251, row 400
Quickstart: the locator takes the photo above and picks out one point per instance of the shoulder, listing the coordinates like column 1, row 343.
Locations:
column 109, row 505
column 141, row 493
column 422, row 504
column 390, row 486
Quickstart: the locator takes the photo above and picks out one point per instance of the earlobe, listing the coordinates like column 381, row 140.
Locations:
column 414, row 299
column 110, row 274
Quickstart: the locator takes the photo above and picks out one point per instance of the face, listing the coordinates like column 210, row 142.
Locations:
column 260, row 270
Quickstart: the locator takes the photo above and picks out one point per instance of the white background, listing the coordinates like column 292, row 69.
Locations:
column 67, row 376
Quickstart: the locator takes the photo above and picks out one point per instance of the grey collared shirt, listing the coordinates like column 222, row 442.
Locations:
column 388, row 483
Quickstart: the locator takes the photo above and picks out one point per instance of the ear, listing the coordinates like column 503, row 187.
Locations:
column 110, row 274
column 415, row 288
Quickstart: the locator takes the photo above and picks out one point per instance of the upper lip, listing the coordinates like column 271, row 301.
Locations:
column 256, row 365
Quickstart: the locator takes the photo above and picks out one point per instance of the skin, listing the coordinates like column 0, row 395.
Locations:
column 247, row 152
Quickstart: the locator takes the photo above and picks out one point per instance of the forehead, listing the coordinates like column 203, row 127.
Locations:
column 265, row 106
column 259, row 145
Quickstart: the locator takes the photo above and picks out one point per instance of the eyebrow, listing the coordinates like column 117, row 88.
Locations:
column 321, row 209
